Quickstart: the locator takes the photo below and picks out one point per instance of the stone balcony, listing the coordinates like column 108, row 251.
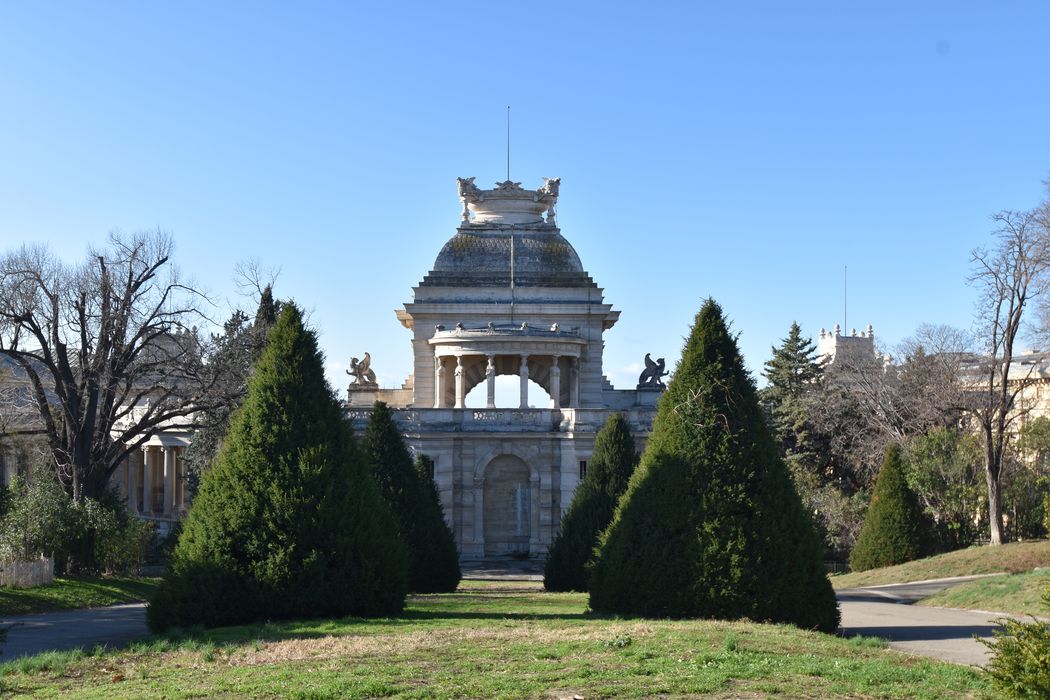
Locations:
column 505, row 420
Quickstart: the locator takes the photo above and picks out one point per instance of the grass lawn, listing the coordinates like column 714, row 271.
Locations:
column 1016, row 593
column 512, row 640
column 1017, row 557
column 73, row 593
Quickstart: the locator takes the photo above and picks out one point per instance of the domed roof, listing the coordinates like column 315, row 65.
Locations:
column 508, row 231
column 542, row 258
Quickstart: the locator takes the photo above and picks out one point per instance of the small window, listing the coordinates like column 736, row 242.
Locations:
column 583, row 469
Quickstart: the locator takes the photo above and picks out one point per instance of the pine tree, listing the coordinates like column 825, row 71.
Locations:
column 893, row 528
column 608, row 471
column 710, row 524
column 288, row 522
column 433, row 562
column 792, row 372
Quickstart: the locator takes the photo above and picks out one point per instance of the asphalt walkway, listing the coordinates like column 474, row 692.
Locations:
column 112, row 626
column 942, row 633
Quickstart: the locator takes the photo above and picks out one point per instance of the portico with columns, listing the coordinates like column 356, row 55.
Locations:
column 153, row 478
column 507, row 296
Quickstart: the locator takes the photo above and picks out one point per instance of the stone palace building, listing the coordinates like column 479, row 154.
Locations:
column 507, row 296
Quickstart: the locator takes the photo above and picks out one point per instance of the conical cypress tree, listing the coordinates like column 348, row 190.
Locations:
column 710, row 524
column 433, row 563
column 893, row 527
column 437, row 537
column 288, row 522
column 608, row 471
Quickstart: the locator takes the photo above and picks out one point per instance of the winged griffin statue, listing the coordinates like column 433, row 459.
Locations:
column 652, row 374
column 362, row 372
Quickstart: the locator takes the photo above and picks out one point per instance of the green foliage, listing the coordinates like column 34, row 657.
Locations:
column 608, row 471
column 437, row 537
column 288, row 522
column 233, row 354
column 1023, row 492
column 944, row 470
column 710, row 524
column 792, row 373
column 791, row 403
column 893, row 528
column 39, row 520
column 1020, row 661
column 433, row 562
column 1026, row 482
column 1033, row 443
column 116, row 541
column 84, row 537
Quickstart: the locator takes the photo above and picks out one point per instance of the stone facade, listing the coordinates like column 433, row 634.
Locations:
column 152, row 480
column 507, row 296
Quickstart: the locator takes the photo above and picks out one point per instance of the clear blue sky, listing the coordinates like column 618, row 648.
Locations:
column 745, row 151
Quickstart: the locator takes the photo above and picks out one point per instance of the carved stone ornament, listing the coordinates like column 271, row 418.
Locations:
column 362, row 372
column 651, row 376
column 551, row 185
column 508, row 202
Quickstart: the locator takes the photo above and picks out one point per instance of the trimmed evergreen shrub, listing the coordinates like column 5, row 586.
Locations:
column 433, row 562
column 438, row 539
column 710, row 524
column 288, row 522
column 1020, row 661
column 893, row 527
column 608, row 470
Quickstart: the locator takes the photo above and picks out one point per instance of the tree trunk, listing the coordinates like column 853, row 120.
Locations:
column 995, row 505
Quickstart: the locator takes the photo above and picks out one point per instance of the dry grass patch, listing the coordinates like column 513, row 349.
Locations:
column 427, row 641
column 1016, row 557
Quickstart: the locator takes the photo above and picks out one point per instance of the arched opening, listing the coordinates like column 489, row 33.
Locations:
column 508, row 506
column 508, row 394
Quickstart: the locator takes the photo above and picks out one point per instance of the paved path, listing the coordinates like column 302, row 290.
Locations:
column 942, row 633
column 506, row 569
column 111, row 626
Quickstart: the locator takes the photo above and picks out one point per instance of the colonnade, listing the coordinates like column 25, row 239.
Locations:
column 162, row 463
column 459, row 372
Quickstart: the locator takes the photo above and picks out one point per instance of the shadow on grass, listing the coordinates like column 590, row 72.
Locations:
column 206, row 640
column 929, row 633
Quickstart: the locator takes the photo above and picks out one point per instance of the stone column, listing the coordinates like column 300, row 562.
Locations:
column 490, row 377
column 574, row 382
column 133, row 495
column 523, row 372
column 479, row 514
column 439, row 382
column 147, row 482
column 460, row 394
column 534, row 513
column 180, row 479
column 556, row 383
column 169, row 481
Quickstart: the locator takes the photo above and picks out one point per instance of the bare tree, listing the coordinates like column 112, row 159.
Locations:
column 867, row 402
column 1011, row 278
column 108, row 348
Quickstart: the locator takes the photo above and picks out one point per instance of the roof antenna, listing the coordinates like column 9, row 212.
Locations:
column 508, row 143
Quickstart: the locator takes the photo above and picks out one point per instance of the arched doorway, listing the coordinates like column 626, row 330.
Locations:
column 508, row 506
